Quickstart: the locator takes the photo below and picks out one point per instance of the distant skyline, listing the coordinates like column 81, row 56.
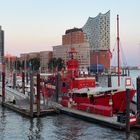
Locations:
column 37, row 25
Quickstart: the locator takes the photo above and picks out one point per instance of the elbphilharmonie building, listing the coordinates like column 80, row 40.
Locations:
column 97, row 30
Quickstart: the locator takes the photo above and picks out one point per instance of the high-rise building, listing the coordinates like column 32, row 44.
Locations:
column 1, row 45
column 97, row 30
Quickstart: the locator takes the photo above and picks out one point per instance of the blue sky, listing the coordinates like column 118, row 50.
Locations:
column 37, row 25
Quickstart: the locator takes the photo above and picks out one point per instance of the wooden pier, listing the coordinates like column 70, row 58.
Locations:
column 28, row 105
column 98, row 119
column 102, row 120
column 23, row 107
column 20, row 103
column 26, row 111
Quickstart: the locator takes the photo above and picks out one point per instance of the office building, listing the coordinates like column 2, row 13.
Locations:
column 83, row 53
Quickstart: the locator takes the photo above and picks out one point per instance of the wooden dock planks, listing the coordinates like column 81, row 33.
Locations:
column 107, row 121
column 26, row 112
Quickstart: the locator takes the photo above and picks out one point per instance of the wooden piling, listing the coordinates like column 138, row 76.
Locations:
column 128, row 72
column 3, row 87
column 27, row 80
column 58, row 86
column 125, row 71
column 56, row 92
column 14, row 80
column 138, row 98
column 31, row 94
column 109, row 81
column 128, row 110
column 96, row 77
column 0, row 76
column 38, row 94
column 23, row 82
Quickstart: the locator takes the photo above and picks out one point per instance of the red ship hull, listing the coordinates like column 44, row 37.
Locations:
column 103, row 104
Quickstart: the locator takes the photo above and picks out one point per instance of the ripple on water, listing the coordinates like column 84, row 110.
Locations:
column 60, row 127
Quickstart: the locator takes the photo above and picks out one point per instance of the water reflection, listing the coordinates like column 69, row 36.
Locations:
column 134, row 135
column 69, row 128
column 60, row 127
column 35, row 129
column 2, row 123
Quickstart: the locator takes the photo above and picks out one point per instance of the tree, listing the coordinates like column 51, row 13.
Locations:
column 60, row 64
column 34, row 63
column 55, row 64
column 52, row 64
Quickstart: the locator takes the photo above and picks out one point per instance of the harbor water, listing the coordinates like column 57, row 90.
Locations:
column 13, row 126
column 59, row 127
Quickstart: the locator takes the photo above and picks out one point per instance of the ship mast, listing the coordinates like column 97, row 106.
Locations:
column 118, row 49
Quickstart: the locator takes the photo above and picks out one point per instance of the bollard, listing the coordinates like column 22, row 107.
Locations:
column 127, row 110
column 109, row 81
column 56, row 92
column 14, row 80
column 138, row 99
column 38, row 94
column 31, row 94
column 3, row 87
column 23, row 82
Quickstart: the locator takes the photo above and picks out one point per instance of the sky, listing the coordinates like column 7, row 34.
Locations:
column 37, row 25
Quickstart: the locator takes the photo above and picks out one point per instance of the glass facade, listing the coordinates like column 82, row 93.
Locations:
column 97, row 30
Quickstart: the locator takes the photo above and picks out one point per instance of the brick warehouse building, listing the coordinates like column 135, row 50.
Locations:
column 100, row 57
column 74, row 36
